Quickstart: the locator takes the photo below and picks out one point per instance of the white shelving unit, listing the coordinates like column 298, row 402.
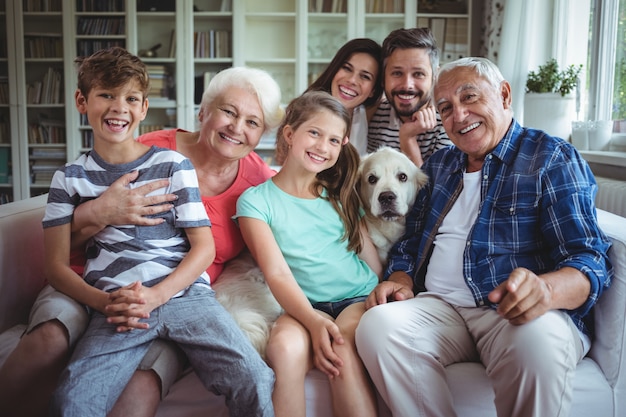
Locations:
column 292, row 39
column 8, row 149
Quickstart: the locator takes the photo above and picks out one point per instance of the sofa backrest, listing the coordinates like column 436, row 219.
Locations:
column 21, row 258
column 611, row 195
column 609, row 346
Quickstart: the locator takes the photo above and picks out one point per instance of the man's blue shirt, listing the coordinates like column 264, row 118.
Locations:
column 537, row 212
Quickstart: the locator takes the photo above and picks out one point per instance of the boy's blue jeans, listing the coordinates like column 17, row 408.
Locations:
column 220, row 354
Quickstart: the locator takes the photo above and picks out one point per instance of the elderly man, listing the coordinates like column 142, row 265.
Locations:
column 504, row 252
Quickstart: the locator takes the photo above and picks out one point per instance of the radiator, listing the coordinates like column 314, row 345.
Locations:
column 611, row 195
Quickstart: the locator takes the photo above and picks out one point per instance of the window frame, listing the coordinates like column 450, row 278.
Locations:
column 603, row 45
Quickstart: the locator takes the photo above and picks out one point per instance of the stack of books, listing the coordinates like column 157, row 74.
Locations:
column 159, row 81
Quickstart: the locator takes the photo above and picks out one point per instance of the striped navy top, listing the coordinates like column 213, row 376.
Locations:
column 122, row 254
column 384, row 128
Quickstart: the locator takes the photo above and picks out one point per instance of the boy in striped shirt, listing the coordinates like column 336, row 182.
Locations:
column 153, row 275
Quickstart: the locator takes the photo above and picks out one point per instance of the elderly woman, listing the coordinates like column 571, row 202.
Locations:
column 238, row 107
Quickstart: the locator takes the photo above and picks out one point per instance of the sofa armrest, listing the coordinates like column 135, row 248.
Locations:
column 21, row 258
column 609, row 346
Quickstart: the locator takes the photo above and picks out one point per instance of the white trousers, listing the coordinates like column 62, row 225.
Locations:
column 406, row 346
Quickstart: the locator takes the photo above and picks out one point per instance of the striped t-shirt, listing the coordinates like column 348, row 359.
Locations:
column 119, row 255
column 384, row 128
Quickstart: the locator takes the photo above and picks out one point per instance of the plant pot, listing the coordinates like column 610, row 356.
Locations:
column 550, row 112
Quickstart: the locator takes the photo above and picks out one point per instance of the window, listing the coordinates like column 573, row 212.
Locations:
column 607, row 61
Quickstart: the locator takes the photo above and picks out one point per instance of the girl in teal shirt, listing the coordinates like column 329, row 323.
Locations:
column 304, row 229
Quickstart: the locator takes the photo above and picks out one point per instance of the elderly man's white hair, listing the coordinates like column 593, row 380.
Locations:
column 482, row 66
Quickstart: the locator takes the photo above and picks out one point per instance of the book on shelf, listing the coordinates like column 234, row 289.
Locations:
column 384, row 6
column 442, row 6
column 156, row 5
column 100, row 6
column 226, row 6
column 212, row 44
column 222, row 44
column 4, row 164
column 33, row 92
column 156, row 69
column 46, row 91
column 438, row 28
column 48, row 153
column 42, row 170
column 42, row 5
column 87, row 139
column 43, row 177
column 423, row 22
column 88, row 47
column 43, row 45
column 172, row 49
column 448, row 43
column 462, row 45
column 4, row 89
column 51, row 87
column 159, row 81
column 201, row 83
column 100, row 26
column 149, row 128
column 46, row 165
column 47, row 131
column 4, row 132
column 455, row 44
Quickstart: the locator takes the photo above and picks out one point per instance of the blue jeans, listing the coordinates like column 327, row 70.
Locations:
column 334, row 308
column 220, row 354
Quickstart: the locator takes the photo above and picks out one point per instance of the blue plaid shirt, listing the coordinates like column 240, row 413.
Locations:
column 537, row 211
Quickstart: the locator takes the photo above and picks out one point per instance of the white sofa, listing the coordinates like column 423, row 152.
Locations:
column 600, row 384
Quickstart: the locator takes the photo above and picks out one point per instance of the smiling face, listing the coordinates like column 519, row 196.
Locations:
column 233, row 123
column 113, row 113
column 475, row 114
column 408, row 80
column 354, row 82
column 316, row 143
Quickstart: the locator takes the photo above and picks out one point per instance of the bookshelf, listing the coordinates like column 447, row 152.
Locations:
column 184, row 44
column 153, row 38
column 37, row 118
column 6, row 146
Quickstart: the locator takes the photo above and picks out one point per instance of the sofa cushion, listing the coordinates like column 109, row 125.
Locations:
column 473, row 392
column 9, row 339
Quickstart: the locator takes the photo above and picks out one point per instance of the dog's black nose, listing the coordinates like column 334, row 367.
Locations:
column 386, row 197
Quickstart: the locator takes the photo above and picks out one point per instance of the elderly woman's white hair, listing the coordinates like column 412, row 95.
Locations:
column 256, row 81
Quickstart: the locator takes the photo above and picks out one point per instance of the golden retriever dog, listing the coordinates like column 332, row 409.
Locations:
column 242, row 290
column 388, row 184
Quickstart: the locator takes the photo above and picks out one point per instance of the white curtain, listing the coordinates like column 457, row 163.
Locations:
column 525, row 43
column 520, row 35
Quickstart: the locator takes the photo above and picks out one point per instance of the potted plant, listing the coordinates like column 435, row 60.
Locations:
column 549, row 103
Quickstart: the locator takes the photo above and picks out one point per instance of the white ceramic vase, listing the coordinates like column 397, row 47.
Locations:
column 550, row 112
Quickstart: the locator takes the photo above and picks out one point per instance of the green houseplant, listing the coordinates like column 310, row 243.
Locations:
column 549, row 104
column 549, row 79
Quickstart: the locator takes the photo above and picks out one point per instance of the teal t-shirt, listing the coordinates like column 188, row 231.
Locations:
column 309, row 233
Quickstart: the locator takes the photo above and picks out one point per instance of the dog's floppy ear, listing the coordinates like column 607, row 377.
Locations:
column 419, row 178
column 362, row 164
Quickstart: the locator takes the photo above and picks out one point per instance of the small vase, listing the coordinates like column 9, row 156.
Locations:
column 550, row 112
